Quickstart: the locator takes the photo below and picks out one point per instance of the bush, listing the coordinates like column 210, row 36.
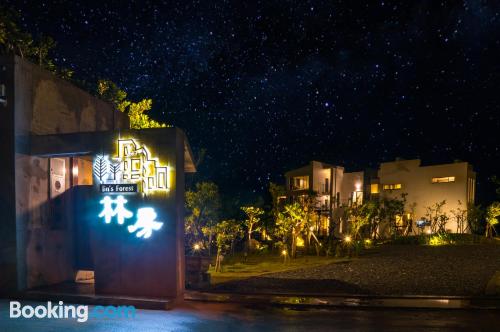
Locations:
column 359, row 246
column 413, row 239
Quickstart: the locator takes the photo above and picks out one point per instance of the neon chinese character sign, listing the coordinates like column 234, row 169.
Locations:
column 132, row 166
column 145, row 222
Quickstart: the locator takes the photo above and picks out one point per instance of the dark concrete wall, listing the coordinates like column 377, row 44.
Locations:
column 7, row 188
column 39, row 103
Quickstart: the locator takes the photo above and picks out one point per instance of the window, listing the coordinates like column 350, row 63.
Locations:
column 300, row 183
column 374, row 188
column 443, row 179
column 393, row 186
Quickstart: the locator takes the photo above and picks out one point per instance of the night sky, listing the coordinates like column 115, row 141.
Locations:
column 266, row 86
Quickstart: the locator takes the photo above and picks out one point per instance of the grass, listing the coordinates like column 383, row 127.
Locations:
column 238, row 267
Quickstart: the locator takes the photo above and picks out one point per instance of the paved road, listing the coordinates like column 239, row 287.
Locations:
column 196, row 316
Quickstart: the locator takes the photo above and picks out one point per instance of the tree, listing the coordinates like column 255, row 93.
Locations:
column 359, row 216
column 276, row 192
column 227, row 232
column 283, row 231
column 372, row 210
column 15, row 41
column 492, row 215
column 41, row 51
column 12, row 39
column 437, row 217
column 203, row 205
column 253, row 215
column 460, row 216
column 391, row 209
column 109, row 91
column 290, row 225
column 136, row 111
column 475, row 218
column 138, row 118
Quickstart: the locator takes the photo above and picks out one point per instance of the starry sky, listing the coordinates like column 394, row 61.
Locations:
column 267, row 86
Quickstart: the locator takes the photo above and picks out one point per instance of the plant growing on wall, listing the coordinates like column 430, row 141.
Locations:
column 100, row 167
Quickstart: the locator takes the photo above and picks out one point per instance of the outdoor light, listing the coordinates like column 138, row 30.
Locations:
column 428, row 231
column 75, row 170
column 284, row 252
column 358, row 186
column 196, row 247
column 311, row 228
column 347, row 238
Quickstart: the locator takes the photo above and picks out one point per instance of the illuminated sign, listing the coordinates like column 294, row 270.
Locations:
column 145, row 222
column 132, row 169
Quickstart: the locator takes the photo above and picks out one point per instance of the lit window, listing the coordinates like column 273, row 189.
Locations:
column 393, row 186
column 443, row 179
column 374, row 188
column 399, row 220
column 300, row 183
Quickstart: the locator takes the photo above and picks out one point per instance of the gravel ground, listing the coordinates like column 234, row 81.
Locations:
column 389, row 270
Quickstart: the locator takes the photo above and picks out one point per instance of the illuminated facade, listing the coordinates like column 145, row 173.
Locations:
column 334, row 190
column 426, row 185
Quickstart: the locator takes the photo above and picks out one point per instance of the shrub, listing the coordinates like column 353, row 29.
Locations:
column 441, row 239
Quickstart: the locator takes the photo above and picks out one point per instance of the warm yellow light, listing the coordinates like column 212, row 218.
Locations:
column 347, row 238
column 137, row 165
column 284, row 252
column 311, row 228
column 374, row 188
column 358, row 186
column 300, row 242
column 443, row 179
column 75, row 170
column 392, row 186
column 196, row 247
column 368, row 241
